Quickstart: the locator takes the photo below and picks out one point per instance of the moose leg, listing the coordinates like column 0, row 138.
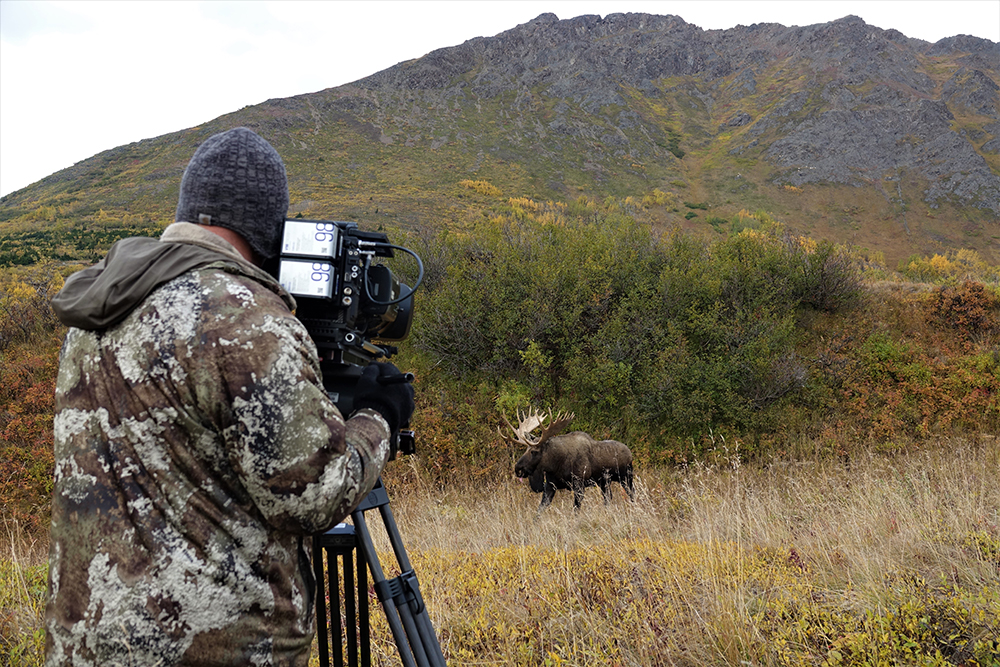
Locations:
column 604, row 483
column 548, row 493
column 578, row 488
column 628, row 483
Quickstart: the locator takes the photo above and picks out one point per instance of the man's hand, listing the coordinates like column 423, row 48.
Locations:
column 384, row 389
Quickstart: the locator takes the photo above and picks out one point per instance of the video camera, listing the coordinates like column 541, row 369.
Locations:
column 350, row 305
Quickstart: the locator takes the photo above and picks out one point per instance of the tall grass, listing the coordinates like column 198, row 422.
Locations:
column 23, row 572
column 883, row 559
column 886, row 558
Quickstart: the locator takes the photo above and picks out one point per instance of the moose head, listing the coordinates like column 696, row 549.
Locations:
column 529, row 422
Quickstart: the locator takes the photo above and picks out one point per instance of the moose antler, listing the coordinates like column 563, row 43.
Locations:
column 531, row 420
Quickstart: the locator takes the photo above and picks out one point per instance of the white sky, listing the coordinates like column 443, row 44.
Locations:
column 78, row 78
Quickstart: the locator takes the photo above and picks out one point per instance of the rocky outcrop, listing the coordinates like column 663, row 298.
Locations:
column 862, row 108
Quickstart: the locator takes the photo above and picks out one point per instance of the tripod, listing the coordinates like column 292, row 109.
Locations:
column 400, row 597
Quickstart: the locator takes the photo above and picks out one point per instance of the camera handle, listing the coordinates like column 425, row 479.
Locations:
column 340, row 380
column 412, row 630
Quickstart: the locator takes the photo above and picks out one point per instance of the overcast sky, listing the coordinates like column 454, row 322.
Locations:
column 78, row 78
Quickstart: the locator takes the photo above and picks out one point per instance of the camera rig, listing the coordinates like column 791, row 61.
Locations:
column 352, row 307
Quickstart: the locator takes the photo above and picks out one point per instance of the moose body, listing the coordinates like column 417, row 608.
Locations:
column 572, row 461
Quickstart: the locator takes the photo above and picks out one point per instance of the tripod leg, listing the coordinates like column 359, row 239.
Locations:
column 400, row 597
column 425, row 630
column 349, row 611
column 364, row 628
column 321, row 592
column 388, row 604
column 339, row 545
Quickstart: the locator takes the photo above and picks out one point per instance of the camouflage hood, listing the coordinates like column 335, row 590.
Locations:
column 104, row 294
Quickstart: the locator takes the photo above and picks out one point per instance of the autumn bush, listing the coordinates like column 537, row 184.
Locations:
column 27, row 389
column 482, row 187
column 968, row 309
column 910, row 364
column 591, row 311
column 953, row 267
column 29, row 343
column 25, row 314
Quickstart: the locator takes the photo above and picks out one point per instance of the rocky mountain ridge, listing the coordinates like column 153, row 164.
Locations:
column 845, row 130
column 827, row 130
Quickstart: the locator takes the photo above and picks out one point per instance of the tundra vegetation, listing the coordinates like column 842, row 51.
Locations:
column 814, row 442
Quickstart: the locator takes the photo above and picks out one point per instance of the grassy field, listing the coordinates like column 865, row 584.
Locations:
column 882, row 559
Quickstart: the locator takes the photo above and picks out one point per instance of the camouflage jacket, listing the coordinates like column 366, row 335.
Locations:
column 195, row 450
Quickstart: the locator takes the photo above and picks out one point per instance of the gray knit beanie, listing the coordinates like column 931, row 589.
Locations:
column 237, row 180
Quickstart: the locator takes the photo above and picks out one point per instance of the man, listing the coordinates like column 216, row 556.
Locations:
column 195, row 446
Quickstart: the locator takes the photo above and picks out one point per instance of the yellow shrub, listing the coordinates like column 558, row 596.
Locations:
column 523, row 204
column 954, row 266
column 660, row 198
column 482, row 187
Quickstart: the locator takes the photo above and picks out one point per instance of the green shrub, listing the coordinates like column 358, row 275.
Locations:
column 716, row 222
column 595, row 314
column 831, row 279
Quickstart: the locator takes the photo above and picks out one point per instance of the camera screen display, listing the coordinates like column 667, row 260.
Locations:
column 308, row 253
column 307, row 277
column 310, row 238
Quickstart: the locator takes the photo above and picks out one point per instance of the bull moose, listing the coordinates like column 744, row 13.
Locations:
column 571, row 461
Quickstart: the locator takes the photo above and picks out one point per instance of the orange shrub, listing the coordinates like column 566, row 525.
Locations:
column 969, row 310
column 27, row 388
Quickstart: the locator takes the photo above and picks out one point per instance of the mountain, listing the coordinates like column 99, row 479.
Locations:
column 841, row 130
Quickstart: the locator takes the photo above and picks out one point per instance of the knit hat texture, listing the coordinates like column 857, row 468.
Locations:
column 237, row 180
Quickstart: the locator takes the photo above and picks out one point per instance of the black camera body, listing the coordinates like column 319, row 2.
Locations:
column 351, row 306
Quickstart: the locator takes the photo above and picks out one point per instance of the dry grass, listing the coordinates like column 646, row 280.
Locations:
column 887, row 559
column 856, row 517
column 751, row 563
column 23, row 572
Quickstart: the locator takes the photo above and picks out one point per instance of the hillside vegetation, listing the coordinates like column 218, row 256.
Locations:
column 849, row 133
column 722, row 361
column 666, row 340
